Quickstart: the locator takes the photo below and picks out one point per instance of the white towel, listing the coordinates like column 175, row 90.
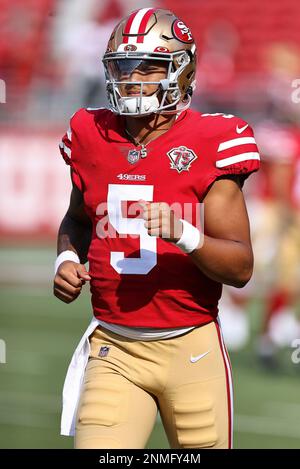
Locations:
column 74, row 380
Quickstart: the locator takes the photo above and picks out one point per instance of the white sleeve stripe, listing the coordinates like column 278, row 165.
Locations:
column 236, row 142
column 237, row 158
column 65, row 149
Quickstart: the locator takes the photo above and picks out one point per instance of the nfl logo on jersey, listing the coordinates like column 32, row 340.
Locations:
column 133, row 156
column 181, row 158
column 103, row 351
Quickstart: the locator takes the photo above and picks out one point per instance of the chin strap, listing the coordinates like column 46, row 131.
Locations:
column 150, row 104
column 132, row 105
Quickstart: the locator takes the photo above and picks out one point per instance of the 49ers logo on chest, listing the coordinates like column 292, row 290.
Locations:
column 181, row 158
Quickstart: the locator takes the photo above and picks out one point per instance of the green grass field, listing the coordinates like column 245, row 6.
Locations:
column 41, row 333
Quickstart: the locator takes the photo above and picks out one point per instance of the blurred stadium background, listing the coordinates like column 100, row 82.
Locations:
column 249, row 65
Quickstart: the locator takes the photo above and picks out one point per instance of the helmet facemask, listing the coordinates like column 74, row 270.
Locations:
column 119, row 66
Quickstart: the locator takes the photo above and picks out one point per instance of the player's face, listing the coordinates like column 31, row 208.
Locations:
column 131, row 71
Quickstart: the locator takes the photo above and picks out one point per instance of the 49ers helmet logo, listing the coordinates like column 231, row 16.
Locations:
column 130, row 47
column 182, row 32
column 181, row 158
column 161, row 49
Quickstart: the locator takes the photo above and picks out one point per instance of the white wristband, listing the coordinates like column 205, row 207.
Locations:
column 190, row 237
column 65, row 256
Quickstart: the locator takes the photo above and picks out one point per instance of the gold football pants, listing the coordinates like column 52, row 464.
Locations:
column 186, row 378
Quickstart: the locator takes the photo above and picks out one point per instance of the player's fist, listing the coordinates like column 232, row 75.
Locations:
column 161, row 221
column 68, row 281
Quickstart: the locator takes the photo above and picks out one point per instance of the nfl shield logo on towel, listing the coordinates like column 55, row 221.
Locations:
column 104, row 351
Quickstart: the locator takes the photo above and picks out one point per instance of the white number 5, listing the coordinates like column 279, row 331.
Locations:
column 129, row 265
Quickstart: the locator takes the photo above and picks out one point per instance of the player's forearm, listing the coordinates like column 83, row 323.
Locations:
column 74, row 236
column 225, row 261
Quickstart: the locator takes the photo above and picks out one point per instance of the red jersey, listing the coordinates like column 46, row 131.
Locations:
column 139, row 280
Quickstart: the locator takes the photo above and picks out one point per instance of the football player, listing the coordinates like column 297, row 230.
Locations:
column 141, row 170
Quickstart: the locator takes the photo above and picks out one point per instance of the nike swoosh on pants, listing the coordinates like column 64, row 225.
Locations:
column 198, row 357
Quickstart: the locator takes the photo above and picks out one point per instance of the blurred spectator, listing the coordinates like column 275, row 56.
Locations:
column 281, row 62
column 23, row 41
column 216, row 71
column 278, row 239
column 274, row 209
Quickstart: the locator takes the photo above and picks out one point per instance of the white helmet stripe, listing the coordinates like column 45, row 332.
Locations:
column 137, row 20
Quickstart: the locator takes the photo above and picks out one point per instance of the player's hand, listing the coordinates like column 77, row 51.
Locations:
column 161, row 221
column 68, row 281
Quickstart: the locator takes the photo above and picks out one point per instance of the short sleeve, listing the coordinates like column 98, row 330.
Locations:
column 237, row 152
column 65, row 148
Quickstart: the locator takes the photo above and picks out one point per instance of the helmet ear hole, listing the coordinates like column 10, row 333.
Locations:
column 189, row 91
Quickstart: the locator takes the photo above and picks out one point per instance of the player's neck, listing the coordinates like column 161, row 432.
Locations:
column 144, row 129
